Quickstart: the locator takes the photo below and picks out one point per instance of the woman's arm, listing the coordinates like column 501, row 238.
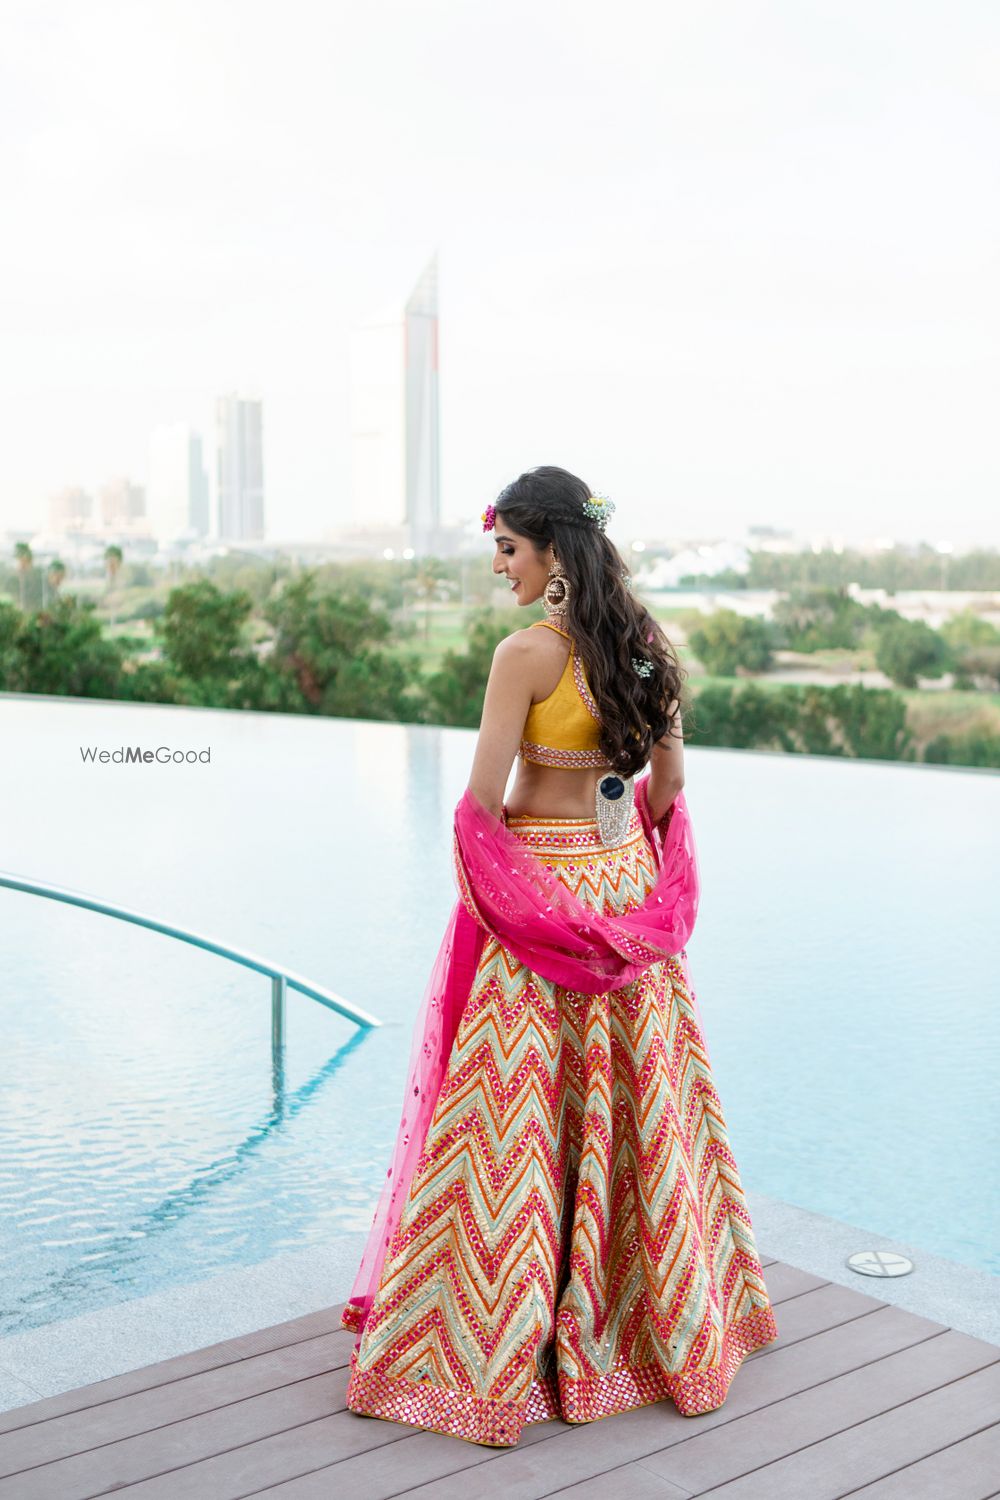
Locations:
column 666, row 767
column 505, row 708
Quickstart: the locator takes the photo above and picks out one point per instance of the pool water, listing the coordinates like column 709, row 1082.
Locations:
column 845, row 961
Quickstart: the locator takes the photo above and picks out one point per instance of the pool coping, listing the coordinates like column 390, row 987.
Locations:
column 261, row 713
column 112, row 1340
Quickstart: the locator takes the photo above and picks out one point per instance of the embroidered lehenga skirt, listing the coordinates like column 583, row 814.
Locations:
column 575, row 1240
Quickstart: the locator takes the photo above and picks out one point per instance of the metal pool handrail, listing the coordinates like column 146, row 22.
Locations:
column 281, row 979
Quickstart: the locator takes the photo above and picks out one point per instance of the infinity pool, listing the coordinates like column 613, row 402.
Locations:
column 845, row 960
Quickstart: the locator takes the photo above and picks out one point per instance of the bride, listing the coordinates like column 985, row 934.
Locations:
column 562, row 1232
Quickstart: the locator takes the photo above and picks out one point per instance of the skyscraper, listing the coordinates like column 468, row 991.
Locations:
column 70, row 510
column 123, row 506
column 178, row 483
column 239, row 468
column 423, row 479
column 395, row 422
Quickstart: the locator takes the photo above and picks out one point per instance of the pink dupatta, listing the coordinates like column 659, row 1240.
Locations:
column 505, row 890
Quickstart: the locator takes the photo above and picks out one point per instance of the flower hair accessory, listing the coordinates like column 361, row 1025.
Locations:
column 599, row 509
column 641, row 666
column 488, row 517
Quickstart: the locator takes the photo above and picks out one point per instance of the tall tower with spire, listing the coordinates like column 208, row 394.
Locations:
column 395, row 421
column 423, row 447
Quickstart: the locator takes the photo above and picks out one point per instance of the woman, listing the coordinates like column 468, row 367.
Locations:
column 562, row 1231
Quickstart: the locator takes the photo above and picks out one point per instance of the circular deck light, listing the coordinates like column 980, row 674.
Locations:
column 879, row 1263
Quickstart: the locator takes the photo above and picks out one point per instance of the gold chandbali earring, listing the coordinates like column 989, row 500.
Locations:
column 556, row 594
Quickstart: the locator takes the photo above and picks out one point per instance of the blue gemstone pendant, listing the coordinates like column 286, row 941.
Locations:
column 615, row 796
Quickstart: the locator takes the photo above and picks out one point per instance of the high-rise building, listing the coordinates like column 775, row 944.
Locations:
column 178, row 483
column 395, row 419
column 69, row 510
column 239, row 468
column 423, row 441
column 123, row 506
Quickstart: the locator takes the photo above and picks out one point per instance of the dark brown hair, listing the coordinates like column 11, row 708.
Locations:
column 608, row 623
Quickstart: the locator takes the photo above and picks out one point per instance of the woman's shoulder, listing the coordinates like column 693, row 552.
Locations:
column 529, row 643
column 535, row 659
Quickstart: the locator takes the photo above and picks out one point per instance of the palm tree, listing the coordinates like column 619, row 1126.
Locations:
column 56, row 573
column 112, row 562
column 430, row 583
column 24, row 562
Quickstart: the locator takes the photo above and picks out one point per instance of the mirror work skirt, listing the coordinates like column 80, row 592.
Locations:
column 575, row 1241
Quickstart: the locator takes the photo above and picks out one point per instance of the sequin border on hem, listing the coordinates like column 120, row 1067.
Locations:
column 478, row 1419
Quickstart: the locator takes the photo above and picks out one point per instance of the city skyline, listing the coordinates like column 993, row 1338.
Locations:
column 742, row 272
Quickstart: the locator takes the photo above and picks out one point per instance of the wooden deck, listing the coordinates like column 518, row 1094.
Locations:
column 856, row 1398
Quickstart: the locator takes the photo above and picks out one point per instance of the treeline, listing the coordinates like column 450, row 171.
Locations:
column 847, row 719
column 821, row 619
column 897, row 568
column 303, row 647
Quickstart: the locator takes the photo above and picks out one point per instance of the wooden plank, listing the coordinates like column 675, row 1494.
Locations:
column 311, row 1325
column 786, row 1370
column 830, row 1304
column 576, row 1453
column 963, row 1471
column 328, row 1446
column 631, row 1482
column 746, row 1446
column 285, row 1418
column 878, row 1447
column 397, row 1468
column 784, row 1282
column 150, row 1409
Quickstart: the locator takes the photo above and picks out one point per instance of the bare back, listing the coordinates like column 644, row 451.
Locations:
column 552, row 791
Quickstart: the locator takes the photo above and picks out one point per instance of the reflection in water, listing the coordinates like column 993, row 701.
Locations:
column 120, row 1253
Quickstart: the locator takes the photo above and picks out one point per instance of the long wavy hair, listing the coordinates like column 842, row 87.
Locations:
column 608, row 623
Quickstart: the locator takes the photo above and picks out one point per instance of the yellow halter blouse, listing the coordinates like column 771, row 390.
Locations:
column 564, row 728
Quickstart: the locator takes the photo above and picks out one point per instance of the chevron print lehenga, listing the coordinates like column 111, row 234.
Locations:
column 566, row 1235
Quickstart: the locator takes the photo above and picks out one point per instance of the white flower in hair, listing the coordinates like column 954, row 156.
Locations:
column 599, row 509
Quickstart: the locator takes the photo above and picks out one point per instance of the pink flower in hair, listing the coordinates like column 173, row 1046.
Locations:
column 488, row 517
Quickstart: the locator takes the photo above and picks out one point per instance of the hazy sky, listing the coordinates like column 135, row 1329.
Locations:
column 731, row 262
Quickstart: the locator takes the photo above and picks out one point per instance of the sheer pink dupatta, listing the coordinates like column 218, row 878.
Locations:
column 433, row 1033
column 504, row 889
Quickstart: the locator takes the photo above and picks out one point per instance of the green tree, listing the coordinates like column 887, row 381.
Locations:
column 454, row 694
column 429, row 581
column 25, row 563
column 55, row 573
column 58, row 650
column 973, row 662
column 112, row 563
column 726, row 640
column 972, row 749
column 332, row 655
column 202, row 629
column 741, row 716
column 202, row 634
column 812, row 720
column 870, row 721
column 815, row 619
column 908, row 649
column 968, row 629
